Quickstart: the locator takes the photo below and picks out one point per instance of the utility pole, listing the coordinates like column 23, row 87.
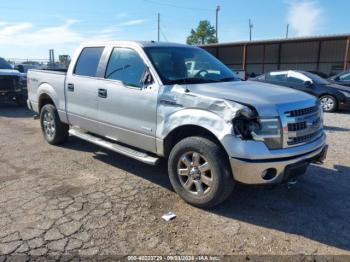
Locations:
column 217, row 22
column 250, row 30
column 50, row 56
column 287, row 31
column 158, row 27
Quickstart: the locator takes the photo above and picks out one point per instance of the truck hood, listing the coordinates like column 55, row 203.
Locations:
column 265, row 98
column 9, row 72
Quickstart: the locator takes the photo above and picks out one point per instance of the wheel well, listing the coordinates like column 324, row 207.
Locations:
column 182, row 132
column 45, row 99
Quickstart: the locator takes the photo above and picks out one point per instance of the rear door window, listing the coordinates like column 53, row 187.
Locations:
column 295, row 80
column 88, row 61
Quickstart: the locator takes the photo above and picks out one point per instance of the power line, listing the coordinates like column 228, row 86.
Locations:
column 163, row 34
column 158, row 26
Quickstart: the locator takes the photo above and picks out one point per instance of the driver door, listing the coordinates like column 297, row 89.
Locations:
column 127, row 110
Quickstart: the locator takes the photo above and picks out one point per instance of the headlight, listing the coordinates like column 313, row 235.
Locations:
column 347, row 94
column 251, row 127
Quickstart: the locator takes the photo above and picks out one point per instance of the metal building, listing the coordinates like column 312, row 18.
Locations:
column 327, row 54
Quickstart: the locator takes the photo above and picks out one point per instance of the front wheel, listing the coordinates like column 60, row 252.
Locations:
column 328, row 103
column 199, row 172
column 54, row 131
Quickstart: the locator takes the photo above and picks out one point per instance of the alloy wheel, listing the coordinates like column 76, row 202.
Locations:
column 194, row 172
column 49, row 125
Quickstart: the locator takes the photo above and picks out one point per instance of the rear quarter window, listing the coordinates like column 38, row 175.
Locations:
column 88, row 61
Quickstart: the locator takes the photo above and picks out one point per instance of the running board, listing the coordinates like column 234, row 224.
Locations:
column 141, row 156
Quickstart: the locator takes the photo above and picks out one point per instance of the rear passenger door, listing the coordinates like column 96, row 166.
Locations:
column 127, row 109
column 81, row 88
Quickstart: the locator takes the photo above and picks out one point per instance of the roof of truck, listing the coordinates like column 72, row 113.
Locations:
column 140, row 43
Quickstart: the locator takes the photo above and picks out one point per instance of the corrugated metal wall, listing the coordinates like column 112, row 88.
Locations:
column 323, row 55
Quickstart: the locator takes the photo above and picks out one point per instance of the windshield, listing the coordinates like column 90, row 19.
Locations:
column 4, row 64
column 316, row 79
column 188, row 65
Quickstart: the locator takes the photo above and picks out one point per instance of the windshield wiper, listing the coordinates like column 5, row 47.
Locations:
column 190, row 81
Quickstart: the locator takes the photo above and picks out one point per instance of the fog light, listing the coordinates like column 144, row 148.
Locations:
column 269, row 173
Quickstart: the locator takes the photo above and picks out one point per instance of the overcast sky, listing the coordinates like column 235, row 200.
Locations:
column 29, row 28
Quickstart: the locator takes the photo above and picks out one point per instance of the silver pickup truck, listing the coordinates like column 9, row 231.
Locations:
column 150, row 100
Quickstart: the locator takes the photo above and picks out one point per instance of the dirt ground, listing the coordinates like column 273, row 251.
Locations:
column 82, row 200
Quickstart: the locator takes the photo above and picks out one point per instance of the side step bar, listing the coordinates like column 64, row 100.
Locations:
column 141, row 156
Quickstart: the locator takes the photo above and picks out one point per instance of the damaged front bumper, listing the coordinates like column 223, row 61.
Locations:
column 275, row 171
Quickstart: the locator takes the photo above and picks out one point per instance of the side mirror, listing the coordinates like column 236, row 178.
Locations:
column 307, row 83
column 146, row 78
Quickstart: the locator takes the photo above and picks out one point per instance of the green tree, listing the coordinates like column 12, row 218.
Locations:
column 204, row 34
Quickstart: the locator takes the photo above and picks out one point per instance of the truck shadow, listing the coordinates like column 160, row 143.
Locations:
column 156, row 174
column 11, row 110
column 317, row 207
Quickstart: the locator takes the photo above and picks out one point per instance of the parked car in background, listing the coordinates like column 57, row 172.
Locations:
column 332, row 96
column 320, row 74
column 150, row 100
column 342, row 79
column 13, row 86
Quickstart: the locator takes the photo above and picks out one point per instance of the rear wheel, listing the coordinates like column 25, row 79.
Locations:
column 199, row 172
column 328, row 103
column 54, row 131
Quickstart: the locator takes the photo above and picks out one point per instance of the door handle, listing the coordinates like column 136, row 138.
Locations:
column 102, row 93
column 70, row 87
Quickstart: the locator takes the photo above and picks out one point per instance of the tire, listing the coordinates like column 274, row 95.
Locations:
column 329, row 103
column 55, row 132
column 197, row 185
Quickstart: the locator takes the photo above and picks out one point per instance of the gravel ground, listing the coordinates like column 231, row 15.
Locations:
column 82, row 200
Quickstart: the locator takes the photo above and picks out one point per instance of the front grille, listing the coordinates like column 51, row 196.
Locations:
column 302, row 125
column 8, row 83
column 303, row 139
column 297, row 126
column 303, row 111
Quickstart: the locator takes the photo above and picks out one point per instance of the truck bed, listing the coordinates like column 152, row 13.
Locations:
column 50, row 82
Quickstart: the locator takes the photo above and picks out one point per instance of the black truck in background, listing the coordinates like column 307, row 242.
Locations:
column 13, row 86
